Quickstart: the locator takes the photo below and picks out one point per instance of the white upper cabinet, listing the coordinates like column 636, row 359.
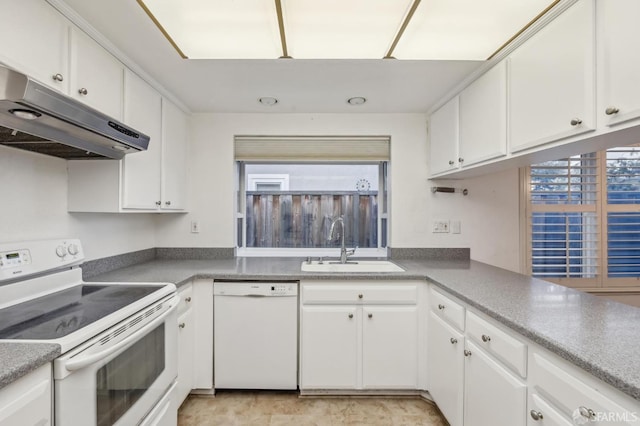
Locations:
column 619, row 61
column 141, row 171
column 443, row 136
column 552, row 81
column 34, row 40
column 96, row 76
column 174, row 156
column 483, row 117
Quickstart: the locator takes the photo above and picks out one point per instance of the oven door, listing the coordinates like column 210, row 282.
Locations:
column 119, row 376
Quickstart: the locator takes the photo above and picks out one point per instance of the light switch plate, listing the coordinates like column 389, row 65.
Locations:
column 455, row 227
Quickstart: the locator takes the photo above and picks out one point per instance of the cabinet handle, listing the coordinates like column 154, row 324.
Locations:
column 467, row 352
column 158, row 203
column 370, row 315
column 57, row 77
column 187, row 299
column 460, row 160
column 440, row 306
column 168, row 203
column 587, row 413
column 453, row 341
column 575, row 121
column 486, row 338
column 611, row 110
column 451, row 162
column 181, row 325
column 536, row 415
column 360, row 296
column 83, row 91
column 350, row 316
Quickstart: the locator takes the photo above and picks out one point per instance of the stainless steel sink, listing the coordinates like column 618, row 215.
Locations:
column 352, row 266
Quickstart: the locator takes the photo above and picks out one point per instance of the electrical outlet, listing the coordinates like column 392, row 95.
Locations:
column 195, row 227
column 440, row 226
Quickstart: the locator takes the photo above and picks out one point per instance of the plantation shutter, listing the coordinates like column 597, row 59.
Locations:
column 564, row 237
column 623, row 212
column 312, row 149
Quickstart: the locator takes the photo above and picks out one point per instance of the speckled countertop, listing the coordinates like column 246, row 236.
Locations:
column 596, row 334
column 19, row 359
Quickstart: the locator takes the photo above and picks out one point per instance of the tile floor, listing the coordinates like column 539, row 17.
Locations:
column 278, row 408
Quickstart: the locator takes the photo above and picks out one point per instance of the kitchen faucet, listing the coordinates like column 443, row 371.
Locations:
column 344, row 253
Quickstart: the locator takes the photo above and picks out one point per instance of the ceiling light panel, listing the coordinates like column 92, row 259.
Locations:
column 464, row 29
column 220, row 29
column 342, row 29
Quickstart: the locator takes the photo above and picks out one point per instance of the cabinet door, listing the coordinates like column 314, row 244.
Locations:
column 443, row 136
column 619, row 65
column 27, row 401
column 39, row 48
column 483, row 117
column 141, row 170
column 492, row 396
column 186, row 338
column 389, row 347
column 446, row 368
column 174, row 156
column 329, row 347
column 96, row 76
column 551, row 81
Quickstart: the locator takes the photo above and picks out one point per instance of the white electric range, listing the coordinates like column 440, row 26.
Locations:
column 118, row 340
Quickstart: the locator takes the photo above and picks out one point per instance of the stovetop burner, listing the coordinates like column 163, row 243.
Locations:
column 63, row 312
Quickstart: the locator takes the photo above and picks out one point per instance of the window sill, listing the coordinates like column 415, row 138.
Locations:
column 305, row 252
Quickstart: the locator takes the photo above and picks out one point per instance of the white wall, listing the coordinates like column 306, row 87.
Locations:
column 34, row 206
column 489, row 214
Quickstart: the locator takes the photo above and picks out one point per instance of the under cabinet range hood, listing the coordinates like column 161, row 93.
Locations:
column 39, row 119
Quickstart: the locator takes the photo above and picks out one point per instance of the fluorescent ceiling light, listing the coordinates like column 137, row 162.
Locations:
column 341, row 29
column 464, row 29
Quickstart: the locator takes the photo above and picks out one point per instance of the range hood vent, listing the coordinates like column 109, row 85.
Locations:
column 36, row 118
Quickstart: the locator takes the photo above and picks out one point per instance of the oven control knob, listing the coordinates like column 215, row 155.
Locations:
column 73, row 249
column 61, row 251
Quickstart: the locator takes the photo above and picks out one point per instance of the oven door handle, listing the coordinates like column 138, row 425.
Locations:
column 77, row 364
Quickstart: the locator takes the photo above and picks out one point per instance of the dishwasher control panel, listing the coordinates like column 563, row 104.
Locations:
column 255, row 289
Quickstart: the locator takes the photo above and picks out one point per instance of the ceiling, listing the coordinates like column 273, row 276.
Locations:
column 300, row 85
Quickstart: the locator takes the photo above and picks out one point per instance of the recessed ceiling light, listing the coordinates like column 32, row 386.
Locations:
column 268, row 100
column 357, row 100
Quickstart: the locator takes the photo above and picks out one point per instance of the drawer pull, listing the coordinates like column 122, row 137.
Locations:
column 370, row 315
column 453, row 341
column 585, row 412
column 187, row 299
column 611, row 110
column 83, row 91
column 486, row 338
column 181, row 325
column 467, row 352
column 360, row 296
column 58, row 77
column 440, row 306
column 536, row 415
column 350, row 316
column 575, row 122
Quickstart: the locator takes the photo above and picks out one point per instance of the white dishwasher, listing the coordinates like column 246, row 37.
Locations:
column 255, row 329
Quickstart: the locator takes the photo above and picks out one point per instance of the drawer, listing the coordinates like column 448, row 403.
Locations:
column 505, row 347
column 447, row 309
column 186, row 298
column 561, row 384
column 321, row 294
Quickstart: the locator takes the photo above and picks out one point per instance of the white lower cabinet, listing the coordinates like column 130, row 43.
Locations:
column 350, row 339
column 329, row 350
column 492, row 395
column 27, row 401
column 561, row 394
column 186, row 339
column 445, row 353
